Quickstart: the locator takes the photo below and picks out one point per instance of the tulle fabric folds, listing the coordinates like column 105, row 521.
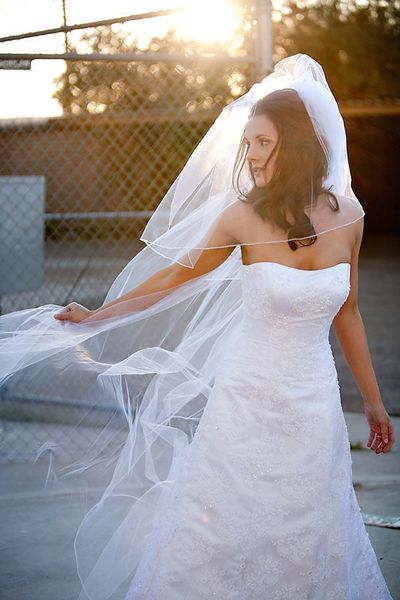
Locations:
column 141, row 379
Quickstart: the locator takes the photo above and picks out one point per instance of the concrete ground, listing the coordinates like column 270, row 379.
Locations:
column 36, row 547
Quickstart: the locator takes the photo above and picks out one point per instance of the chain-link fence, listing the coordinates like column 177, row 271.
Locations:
column 76, row 190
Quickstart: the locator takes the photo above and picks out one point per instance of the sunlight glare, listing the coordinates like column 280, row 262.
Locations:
column 208, row 21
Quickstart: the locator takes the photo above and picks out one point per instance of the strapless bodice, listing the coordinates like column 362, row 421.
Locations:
column 283, row 303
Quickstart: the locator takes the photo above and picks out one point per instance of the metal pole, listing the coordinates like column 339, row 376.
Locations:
column 90, row 24
column 66, row 41
column 133, row 57
column 264, row 39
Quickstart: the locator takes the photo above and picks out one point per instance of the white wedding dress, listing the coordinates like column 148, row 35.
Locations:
column 264, row 507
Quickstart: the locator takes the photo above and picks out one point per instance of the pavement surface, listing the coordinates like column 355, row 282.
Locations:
column 38, row 527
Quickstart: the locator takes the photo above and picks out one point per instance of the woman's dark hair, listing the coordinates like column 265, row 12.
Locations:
column 300, row 168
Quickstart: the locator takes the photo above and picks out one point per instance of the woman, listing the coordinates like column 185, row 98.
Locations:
column 234, row 480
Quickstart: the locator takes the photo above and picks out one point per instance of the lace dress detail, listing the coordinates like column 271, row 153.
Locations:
column 264, row 507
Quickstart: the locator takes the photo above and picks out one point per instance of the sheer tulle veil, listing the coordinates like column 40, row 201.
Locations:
column 146, row 370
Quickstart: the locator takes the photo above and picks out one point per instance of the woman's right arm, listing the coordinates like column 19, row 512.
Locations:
column 164, row 281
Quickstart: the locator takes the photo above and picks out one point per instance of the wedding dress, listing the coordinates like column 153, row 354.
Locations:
column 220, row 462
column 264, row 507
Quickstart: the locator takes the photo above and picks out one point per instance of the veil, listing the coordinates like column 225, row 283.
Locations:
column 142, row 375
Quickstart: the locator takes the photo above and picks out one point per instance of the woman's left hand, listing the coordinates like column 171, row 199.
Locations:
column 73, row 312
column 381, row 437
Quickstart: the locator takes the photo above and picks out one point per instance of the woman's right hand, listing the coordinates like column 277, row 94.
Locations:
column 73, row 312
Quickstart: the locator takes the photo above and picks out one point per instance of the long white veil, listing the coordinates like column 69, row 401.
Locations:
column 149, row 369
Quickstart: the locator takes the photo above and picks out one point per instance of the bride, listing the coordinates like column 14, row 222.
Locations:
column 229, row 476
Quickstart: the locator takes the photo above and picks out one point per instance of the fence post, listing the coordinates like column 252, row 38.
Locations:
column 264, row 39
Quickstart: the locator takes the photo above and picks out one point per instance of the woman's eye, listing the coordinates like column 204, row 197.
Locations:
column 264, row 142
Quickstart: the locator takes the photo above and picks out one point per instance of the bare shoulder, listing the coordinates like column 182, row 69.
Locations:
column 349, row 218
column 238, row 208
column 237, row 216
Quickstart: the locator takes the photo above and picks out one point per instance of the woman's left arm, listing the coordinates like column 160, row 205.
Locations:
column 349, row 328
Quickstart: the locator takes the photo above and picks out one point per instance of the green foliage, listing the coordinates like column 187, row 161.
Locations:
column 147, row 116
column 98, row 87
column 357, row 43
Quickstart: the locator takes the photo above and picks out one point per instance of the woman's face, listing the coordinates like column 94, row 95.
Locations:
column 261, row 138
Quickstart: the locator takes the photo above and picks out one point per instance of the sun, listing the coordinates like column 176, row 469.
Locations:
column 208, row 21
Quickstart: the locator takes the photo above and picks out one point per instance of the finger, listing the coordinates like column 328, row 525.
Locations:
column 371, row 437
column 387, row 445
column 385, row 448
column 377, row 442
column 385, row 433
column 59, row 316
column 63, row 316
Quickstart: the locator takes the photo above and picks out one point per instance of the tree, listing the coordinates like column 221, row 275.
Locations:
column 97, row 87
column 357, row 43
column 155, row 112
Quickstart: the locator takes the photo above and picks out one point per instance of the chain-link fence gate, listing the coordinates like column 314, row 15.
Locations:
column 77, row 190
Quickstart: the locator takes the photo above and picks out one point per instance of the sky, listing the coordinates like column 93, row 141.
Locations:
column 29, row 93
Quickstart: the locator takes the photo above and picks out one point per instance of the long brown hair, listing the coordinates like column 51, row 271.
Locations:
column 300, row 168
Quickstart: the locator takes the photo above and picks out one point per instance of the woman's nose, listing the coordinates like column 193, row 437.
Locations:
column 252, row 155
